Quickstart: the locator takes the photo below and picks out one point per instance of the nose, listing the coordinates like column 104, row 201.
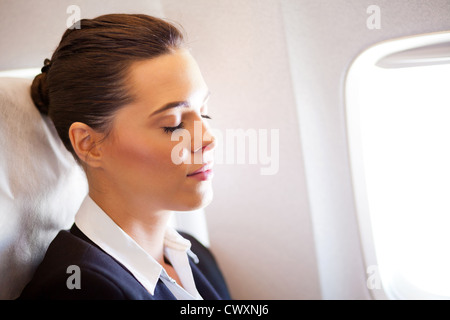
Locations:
column 209, row 141
column 203, row 138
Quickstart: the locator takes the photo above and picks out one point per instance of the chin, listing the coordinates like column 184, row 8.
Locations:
column 196, row 202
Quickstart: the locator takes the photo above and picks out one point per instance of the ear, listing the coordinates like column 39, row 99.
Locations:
column 86, row 143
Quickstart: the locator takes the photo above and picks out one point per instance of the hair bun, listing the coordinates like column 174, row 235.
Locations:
column 39, row 92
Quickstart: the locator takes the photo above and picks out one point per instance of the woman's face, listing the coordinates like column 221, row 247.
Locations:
column 141, row 159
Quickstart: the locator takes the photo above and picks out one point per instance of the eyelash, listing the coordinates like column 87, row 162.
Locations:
column 181, row 125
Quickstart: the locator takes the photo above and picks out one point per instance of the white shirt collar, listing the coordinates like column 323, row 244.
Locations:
column 104, row 232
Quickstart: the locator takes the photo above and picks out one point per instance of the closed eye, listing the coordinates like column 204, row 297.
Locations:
column 181, row 125
column 172, row 129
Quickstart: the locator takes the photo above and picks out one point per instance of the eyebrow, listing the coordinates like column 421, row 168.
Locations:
column 177, row 104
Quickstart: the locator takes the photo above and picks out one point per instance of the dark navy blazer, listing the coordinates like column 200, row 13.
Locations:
column 103, row 277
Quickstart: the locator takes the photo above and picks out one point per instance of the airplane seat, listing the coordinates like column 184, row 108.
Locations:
column 41, row 186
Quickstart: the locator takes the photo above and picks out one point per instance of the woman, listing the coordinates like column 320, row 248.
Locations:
column 116, row 89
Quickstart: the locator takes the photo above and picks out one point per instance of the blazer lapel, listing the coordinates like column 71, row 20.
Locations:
column 204, row 287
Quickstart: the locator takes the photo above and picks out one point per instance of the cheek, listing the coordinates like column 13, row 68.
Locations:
column 145, row 156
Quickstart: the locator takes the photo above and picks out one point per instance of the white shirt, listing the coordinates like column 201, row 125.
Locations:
column 105, row 233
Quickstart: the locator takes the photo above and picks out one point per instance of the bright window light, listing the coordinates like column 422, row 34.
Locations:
column 398, row 117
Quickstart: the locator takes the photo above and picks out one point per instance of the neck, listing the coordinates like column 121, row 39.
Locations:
column 144, row 224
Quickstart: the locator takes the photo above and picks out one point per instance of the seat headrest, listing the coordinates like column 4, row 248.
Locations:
column 41, row 186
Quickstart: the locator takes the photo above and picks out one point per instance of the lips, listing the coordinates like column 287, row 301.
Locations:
column 206, row 167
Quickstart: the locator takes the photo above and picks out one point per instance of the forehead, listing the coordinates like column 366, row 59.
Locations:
column 170, row 77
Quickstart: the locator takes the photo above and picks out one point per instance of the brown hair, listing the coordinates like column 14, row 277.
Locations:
column 85, row 79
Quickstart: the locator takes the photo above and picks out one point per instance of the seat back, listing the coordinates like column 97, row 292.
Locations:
column 41, row 186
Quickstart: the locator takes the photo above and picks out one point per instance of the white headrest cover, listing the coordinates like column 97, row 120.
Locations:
column 41, row 186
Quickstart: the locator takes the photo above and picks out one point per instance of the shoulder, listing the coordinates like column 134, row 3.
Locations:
column 76, row 269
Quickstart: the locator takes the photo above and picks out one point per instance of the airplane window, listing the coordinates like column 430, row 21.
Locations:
column 398, row 119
